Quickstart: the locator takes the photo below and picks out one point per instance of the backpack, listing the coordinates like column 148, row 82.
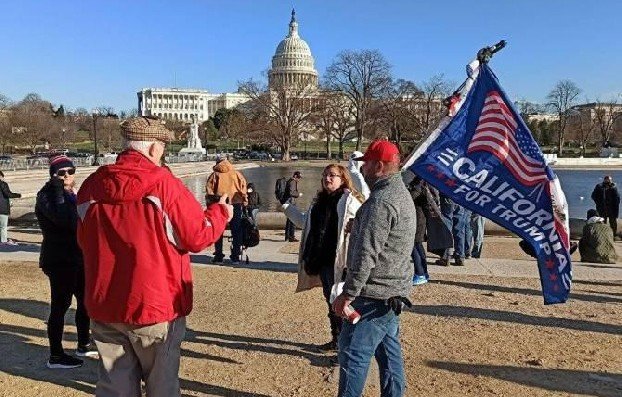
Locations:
column 280, row 190
column 250, row 234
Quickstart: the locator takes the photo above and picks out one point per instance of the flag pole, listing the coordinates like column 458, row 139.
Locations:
column 454, row 101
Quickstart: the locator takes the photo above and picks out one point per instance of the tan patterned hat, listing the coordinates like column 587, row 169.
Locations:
column 146, row 128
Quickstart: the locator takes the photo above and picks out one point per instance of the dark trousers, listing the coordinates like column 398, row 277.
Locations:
column 419, row 258
column 613, row 222
column 64, row 284
column 289, row 230
column 235, row 224
column 327, row 276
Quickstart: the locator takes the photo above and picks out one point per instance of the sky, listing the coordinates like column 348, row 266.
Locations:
column 95, row 53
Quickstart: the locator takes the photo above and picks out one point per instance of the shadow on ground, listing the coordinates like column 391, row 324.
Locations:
column 573, row 382
column 284, row 267
column 514, row 317
column 528, row 291
column 264, row 345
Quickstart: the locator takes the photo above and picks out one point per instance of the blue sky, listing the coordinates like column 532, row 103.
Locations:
column 92, row 53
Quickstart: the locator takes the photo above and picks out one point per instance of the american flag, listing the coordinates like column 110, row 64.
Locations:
column 499, row 134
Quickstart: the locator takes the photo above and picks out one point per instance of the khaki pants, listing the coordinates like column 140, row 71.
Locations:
column 129, row 354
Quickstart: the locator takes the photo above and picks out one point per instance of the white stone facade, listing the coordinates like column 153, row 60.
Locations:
column 292, row 63
column 184, row 104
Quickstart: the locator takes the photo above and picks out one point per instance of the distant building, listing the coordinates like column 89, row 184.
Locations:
column 292, row 63
column 184, row 104
column 548, row 117
column 600, row 109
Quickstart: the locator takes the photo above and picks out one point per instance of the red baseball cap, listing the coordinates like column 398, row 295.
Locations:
column 381, row 151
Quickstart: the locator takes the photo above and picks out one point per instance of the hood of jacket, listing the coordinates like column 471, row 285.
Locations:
column 223, row 166
column 129, row 179
column 353, row 165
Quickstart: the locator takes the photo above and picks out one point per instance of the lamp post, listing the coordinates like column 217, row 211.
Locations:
column 95, row 113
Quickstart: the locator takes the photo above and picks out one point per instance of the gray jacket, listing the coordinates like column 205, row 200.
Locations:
column 381, row 242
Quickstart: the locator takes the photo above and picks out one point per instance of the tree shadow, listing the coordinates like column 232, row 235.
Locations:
column 569, row 381
column 600, row 283
column 214, row 390
column 34, row 309
column 264, row 345
column 27, row 360
column 528, row 291
column 283, row 267
column 514, row 317
column 205, row 356
column 584, row 264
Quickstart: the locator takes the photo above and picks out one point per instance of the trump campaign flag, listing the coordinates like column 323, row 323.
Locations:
column 483, row 156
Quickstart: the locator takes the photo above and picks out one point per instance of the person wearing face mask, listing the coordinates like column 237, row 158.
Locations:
column 324, row 240
column 61, row 260
column 607, row 200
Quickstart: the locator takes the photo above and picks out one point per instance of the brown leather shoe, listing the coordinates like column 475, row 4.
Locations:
column 293, row 240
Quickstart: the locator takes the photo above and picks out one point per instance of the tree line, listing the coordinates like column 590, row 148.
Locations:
column 33, row 122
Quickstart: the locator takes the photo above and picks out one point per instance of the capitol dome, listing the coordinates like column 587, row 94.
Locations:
column 292, row 63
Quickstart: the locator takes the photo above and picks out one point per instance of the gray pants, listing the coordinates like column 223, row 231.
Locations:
column 4, row 224
column 129, row 354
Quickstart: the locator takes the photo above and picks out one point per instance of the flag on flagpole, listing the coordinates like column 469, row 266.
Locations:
column 483, row 156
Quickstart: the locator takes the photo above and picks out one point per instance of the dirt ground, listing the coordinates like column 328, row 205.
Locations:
column 250, row 335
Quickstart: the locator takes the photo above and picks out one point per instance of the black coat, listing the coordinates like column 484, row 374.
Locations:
column 58, row 219
column 419, row 195
column 607, row 200
column 5, row 195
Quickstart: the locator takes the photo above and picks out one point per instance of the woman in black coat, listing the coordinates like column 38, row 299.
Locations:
column 61, row 260
column 5, row 209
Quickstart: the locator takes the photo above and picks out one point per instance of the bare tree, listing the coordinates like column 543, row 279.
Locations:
column 6, row 131
column 605, row 115
column 333, row 119
column 5, row 102
column 583, row 126
column 362, row 76
column 561, row 98
column 282, row 112
column 434, row 90
column 31, row 120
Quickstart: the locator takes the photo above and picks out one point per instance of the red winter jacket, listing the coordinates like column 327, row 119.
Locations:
column 137, row 224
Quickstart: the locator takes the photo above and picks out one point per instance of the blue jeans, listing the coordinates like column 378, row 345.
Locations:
column 419, row 258
column 468, row 232
column 235, row 224
column 4, row 225
column 453, row 215
column 376, row 334
column 477, row 224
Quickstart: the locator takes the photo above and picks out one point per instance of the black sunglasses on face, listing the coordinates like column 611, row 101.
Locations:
column 70, row 171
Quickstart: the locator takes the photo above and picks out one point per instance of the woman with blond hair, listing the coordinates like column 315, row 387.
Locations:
column 324, row 242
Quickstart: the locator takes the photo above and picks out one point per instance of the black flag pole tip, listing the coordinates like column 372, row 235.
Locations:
column 484, row 55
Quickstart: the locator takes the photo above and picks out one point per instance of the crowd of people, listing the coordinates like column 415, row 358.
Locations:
column 120, row 245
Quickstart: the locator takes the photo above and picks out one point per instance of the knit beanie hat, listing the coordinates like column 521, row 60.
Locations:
column 58, row 162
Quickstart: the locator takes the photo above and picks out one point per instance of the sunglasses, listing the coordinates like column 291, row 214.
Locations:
column 70, row 171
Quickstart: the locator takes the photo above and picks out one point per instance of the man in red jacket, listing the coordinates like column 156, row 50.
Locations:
column 137, row 224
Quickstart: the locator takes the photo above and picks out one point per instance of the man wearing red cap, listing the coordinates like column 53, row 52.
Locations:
column 379, row 276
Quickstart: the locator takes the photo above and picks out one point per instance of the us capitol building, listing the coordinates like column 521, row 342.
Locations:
column 292, row 64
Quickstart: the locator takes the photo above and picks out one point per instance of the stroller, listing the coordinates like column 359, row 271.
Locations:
column 250, row 232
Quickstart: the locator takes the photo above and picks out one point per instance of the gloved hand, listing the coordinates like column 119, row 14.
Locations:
column 58, row 188
column 396, row 303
